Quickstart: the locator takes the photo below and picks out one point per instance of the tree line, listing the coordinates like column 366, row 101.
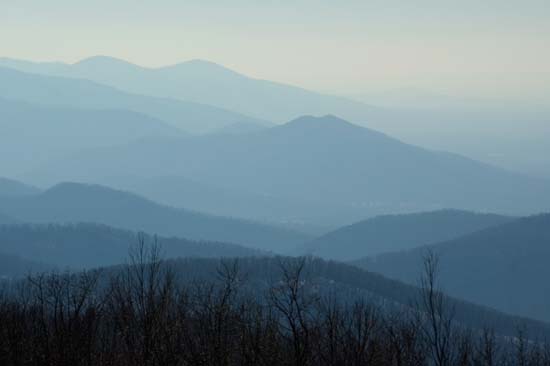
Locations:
column 141, row 314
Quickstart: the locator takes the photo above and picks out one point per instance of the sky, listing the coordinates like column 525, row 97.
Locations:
column 471, row 48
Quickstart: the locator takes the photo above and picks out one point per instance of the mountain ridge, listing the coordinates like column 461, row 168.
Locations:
column 11, row 187
column 87, row 245
column 366, row 171
column 504, row 267
column 388, row 233
column 77, row 202
column 66, row 91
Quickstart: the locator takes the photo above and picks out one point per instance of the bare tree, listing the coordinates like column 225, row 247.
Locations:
column 435, row 313
column 291, row 300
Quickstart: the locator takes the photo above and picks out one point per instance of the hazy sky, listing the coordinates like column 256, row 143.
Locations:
column 497, row 48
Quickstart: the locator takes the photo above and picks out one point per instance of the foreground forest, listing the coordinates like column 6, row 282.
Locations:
column 145, row 314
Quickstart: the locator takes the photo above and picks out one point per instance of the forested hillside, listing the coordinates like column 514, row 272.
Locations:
column 504, row 267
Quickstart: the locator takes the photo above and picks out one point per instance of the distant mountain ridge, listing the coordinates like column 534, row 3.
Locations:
column 318, row 159
column 203, row 82
column 57, row 91
column 85, row 245
column 33, row 135
column 504, row 266
column 399, row 232
column 466, row 129
column 72, row 203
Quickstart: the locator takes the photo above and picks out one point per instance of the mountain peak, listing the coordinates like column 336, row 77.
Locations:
column 105, row 61
column 327, row 119
column 200, row 66
column 326, row 122
column 77, row 188
column 194, row 65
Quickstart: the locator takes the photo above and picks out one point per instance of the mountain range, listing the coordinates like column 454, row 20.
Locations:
column 488, row 131
column 50, row 133
column 88, row 245
column 327, row 167
column 504, row 266
column 322, row 160
column 389, row 233
column 54, row 91
column 74, row 203
column 202, row 82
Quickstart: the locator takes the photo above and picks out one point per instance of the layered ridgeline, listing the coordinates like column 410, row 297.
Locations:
column 72, row 202
column 218, row 199
column 325, row 160
column 451, row 125
column 398, row 232
column 33, row 135
column 203, row 82
column 504, row 267
column 335, row 172
column 86, row 245
column 80, row 93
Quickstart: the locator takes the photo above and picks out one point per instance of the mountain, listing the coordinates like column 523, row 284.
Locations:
column 79, row 93
column 504, row 267
column 203, row 82
column 213, row 198
column 322, row 160
column 10, row 187
column 344, row 284
column 33, row 134
column 72, row 202
column 398, row 232
column 464, row 127
column 85, row 245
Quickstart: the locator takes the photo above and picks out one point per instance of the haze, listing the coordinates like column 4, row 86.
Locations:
column 490, row 49
column 274, row 183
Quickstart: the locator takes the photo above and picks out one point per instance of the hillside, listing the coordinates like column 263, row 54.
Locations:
column 72, row 202
column 84, row 245
column 345, row 283
column 215, row 199
column 398, row 232
column 504, row 267
column 33, row 135
column 276, row 310
column 325, row 160
column 80, row 93
column 10, row 187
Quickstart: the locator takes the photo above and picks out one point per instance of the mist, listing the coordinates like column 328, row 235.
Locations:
column 274, row 183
